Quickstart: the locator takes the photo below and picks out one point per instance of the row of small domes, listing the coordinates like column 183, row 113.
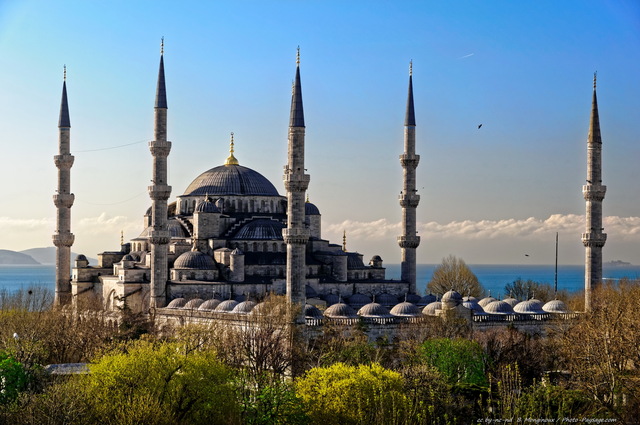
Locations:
column 490, row 305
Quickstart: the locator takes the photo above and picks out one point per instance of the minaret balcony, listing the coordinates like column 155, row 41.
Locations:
column 594, row 192
column 159, row 192
column 295, row 236
column 159, row 237
column 409, row 200
column 409, row 241
column 63, row 239
column 594, row 240
column 409, row 160
column 160, row 148
column 64, row 161
column 63, row 200
column 294, row 182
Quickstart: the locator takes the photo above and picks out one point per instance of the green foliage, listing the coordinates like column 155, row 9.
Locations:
column 276, row 403
column 342, row 394
column 453, row 273
column 156, row 383
column 13, row 378
column 459, row 360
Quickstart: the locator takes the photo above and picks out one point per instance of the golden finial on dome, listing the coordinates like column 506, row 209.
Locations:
column 410, row 67
column 231, row 160
column 307, row 198
column 344, row 240
column 162, row 46
column 298, row 56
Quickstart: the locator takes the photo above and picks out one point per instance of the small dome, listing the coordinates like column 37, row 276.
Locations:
column 244, row 307
column 194, row 303
column 473, row 306
column 209, row 305
column 312, row 312
column 426, row 300
column 310, row 209
column 406, row 309
column 195, row 260
column 555, row 306
column 227, row 306
column 531, row 306
column 511, row 301
column 261, row 229
column 452, row 297
column 358, row 300
column 485, row 301
column 331, row 299
column 81, row 257
column 373, row 310
column 412, row 298
column 176, row 230
column 206, row 206
column 177, row 303
column 340, row 311
column 386, row 299
column 430, row 309
column 497, row 307
column 128, row 257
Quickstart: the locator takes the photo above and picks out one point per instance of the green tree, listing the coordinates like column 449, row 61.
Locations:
column 453, row 273
column 13, row 378
column 462, row 362
column 342, row 394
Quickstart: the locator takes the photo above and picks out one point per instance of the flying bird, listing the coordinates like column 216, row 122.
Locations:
column 526, row 255
column 480, row 125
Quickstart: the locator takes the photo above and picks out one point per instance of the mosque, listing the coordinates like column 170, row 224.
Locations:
column 231, row 238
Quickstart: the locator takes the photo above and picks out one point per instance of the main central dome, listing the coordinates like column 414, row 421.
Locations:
column 231, row 179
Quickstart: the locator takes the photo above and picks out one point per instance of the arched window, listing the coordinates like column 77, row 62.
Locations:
column 275, row 247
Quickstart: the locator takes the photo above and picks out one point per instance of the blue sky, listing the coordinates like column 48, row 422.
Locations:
column 523, row 69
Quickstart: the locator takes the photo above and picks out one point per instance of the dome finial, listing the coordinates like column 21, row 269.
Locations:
column 231, row 160
column 344, row 240
column 307, row 198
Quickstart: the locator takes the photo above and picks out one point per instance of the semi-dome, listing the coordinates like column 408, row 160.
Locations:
column 177, row 303
column 227, row 306
column 531, row 306
column 412, row 298
column 373, row 310
column 386, row 299
column 340, row 311
column 194, row 260
column 358, row 300
column 555, row 306
column 209, row 305
column 194, row 303
column 426, row 300
column 498, row 307
column 430, row 309
column 331, row 299
column 406, row 309
column 262, row 228
column 310, row 209
column 231, row 180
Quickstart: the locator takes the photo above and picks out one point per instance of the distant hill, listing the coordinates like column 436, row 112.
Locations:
column 16, row 258
column 48, row 255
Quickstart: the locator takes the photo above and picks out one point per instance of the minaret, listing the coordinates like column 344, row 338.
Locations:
column 296, row 182
column 63, row 199
column 593, row 238
column 159, row 192
column 409, row 199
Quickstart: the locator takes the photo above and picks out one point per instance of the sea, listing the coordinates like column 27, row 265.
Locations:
column 492, row 277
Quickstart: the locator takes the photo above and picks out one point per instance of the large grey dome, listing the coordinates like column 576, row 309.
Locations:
column 231, row 180
column 262, row 228
column 194, row 260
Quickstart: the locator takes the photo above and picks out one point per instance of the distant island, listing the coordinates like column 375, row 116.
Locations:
column 34, row 256
column 616, row 263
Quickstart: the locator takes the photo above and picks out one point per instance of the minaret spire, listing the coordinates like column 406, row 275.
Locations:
column 296, row 182
column 63, row 238
column 593, row 239
column 159, row 192
column 409, row 199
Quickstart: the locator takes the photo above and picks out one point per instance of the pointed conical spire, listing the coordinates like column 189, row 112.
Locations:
column 64, row 120
column 161, row 91
column 410, row 116
column 297, row 112
column 594, row 124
